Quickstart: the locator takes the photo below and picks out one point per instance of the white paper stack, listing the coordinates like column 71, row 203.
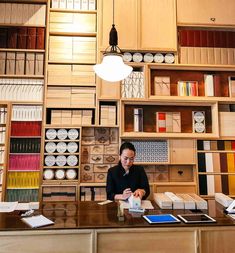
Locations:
column 178, row 203
column 223, row 199
column 162, row 200
column 189, row 203
column 200, row 203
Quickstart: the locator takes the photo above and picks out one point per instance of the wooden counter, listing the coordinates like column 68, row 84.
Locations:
column 88, row 227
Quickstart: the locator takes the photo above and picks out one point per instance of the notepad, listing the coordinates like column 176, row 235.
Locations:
column 161, row 218
column 196, row 218
column 37, row 221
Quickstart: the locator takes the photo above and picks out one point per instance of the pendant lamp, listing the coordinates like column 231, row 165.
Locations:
column 112, row 68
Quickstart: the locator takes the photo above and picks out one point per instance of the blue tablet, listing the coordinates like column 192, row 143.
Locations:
column 161, row 218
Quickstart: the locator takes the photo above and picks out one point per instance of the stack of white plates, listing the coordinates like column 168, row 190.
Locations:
column 60, row 174
column 50, row 160
column 73, row 134
column 48, row 174
column 51, row 134
column 71, row 174
column 62, row 134
column 72, row 160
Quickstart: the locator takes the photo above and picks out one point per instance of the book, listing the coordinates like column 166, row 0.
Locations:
column 138, row 119
column 161, row 122
column 37, row 221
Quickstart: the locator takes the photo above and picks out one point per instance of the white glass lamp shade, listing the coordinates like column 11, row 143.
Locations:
column 112, row 68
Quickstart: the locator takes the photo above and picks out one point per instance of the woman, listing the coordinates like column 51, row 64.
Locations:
column 127, row 178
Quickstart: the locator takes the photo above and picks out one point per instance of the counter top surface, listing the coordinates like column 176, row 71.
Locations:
column 90, row 215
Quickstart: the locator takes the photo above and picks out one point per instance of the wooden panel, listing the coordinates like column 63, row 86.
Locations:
column 202, row 12
column 126, row 40
column 46, row 243
column 179, row 173
column 226, row 123
column 59, row 74
column 217, row 241
column 158, row 24
column 72, row 22
column 175, row 188
column 182, row 151
column 149, row 243
column 109, row 90
column 61, row 48
column 84, row 50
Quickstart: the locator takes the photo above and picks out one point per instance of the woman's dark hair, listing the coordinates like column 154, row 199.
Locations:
column 127, row 145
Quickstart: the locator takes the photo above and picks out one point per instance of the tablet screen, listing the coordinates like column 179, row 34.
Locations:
column 196, row 218
column 161, row 218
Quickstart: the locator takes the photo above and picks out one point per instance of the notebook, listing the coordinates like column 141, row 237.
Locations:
column 37, row 221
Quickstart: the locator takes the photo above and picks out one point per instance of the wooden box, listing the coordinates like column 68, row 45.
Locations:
column 59, row 74
column 83, row 75
column 30, row 64
column 39, row 62
column 20, row 62
column 84, row 50
column 10, row 63
column 61, row 48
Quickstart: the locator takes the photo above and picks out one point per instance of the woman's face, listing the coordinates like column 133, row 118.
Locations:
column 127, row 158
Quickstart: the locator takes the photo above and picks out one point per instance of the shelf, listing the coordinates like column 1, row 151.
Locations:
column 73, row 11
column 92, row 184
column 23, row 76
column 216, row 173
column 65, row 153
column 170, row 101
column 79, row 34
column 77, row 140
column 145, row 135
column 21, row 25
column 60, row 182
column 216, row 151
column 205, row 67
column 69, row 62
column 198, row 99
column 38, row 153
column 174, row 183
column 23, row 171
column 61, row 167
column 22, row 188
column 26, row 137
column 22, row 50
column 72, row 107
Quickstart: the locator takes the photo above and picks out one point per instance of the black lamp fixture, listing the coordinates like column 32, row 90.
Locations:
column 112, row 68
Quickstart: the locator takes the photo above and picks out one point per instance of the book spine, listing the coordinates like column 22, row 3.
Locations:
column 138, row 119
column 161, row 122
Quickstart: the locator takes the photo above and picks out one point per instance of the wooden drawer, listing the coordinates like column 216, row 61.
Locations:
column 181, row 174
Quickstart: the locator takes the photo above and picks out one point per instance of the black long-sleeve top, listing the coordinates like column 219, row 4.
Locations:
column 118, row 181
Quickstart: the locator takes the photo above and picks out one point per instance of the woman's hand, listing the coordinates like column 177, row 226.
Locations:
column 126, row 193
column 139, row 193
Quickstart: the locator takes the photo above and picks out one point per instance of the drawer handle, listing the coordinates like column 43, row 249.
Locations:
column 180, row 172
column 213, row 19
